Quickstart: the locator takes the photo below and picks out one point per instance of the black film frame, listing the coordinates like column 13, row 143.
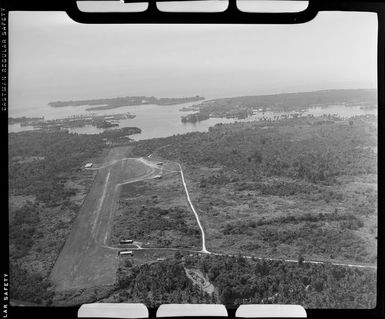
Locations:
column 230, row 16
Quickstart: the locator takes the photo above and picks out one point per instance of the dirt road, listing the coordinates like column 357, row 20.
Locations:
column 204, row 250
column 86, row 260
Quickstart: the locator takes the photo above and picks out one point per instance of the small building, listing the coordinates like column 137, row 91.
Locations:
column 126, row 241
column 88, row 165
column 126, row 252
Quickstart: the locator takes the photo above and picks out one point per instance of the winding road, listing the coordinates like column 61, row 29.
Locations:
column 204, row 250
column 87, row 243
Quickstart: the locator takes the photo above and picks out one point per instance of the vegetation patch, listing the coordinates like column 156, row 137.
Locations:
column 155, row 284
column 46, row 191
column 239, row 280
column 248, row 181
column 156, row 214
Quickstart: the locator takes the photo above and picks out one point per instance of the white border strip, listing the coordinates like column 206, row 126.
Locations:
column 191, row 310
column 111, row 6
column 193, row 6
column 270, row 311
column 272, row 6
column 113, row 310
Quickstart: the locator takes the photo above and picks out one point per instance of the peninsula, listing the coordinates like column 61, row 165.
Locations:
column 106, row 104
column 244, row 106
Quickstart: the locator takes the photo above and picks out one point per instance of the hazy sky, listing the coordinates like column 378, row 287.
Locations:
column 54, row 58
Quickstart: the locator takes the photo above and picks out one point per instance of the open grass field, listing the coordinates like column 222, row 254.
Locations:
column 283, row 189
column 155, row 213
column 46, row 191
column 321, row 225
column 87, row 243
column 292, row 189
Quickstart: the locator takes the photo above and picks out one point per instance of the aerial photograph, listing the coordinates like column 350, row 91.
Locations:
column 193, row 163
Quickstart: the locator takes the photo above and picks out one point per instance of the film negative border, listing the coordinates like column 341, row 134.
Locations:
column 231, row 15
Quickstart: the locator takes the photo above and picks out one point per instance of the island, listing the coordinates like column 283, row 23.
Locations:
column 289, row 209
column 195, row 117
column 111, row 103
column 23, row 121
column 75, row 121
